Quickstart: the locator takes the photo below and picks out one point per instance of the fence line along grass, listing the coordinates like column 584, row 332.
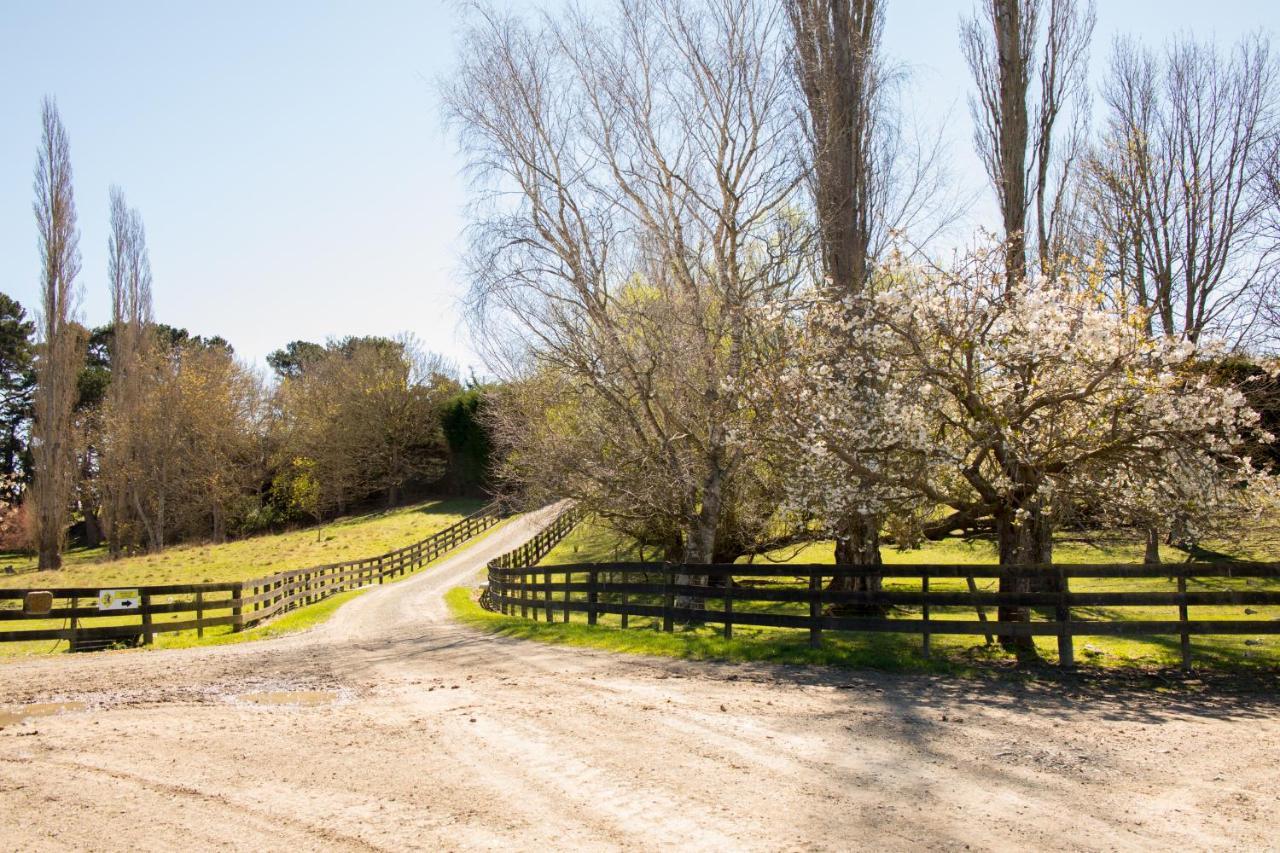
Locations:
column 77, row 615
column 1126, row 598
column 244, row 559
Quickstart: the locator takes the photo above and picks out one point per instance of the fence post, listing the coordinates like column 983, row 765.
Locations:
column 924, row 612
column 148, row 635
column 546, row 594
column 199, row 613
column 592, row 596
column 1182, row 618
column 815, row 608
column 524, row 596
column 1066, row 644
column 75, row 622
column 625, row 615
column 728, row 607
column 237, row 619
column 567, row 581
column 668, row 599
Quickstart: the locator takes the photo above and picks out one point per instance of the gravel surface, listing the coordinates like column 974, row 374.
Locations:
column 391, row 728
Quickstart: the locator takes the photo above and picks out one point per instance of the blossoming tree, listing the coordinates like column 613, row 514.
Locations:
column 1017, row 406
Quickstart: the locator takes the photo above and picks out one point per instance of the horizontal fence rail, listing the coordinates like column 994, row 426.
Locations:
column 804, row 597
column 239, row 604
column 531, row 552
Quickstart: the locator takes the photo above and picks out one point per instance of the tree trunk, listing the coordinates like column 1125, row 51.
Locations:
column 50, row 555
column 1023, row 542
column 160, row 521
column 1152, row 555
column 700, row 544
column 113, row 536
column 147, row 524
column 1012, row 137
column 219, row 524
column 858, row 544
column 92, row 529
column 1178, row 537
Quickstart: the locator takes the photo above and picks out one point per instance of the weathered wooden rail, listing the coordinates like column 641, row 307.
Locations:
column 239, row 604
column 532, row 552
column 776, row 597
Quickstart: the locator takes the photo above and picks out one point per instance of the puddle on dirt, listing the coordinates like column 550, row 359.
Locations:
column 300, row 698
column 12, row 716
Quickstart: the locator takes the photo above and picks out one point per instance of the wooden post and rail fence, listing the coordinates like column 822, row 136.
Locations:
column 803, row 597
column 239, row 604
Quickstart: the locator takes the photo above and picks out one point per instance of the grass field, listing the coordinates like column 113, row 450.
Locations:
column 593, row 543
column 348, row 538
column 257, row 556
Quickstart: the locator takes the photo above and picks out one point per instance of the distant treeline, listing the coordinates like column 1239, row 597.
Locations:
column 202, row 446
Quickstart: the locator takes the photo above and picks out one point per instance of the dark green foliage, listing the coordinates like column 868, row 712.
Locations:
column 17, row 384
column 294, row 357
column 470, row 447
column 173, row 338
column 351, row 343
column 95, row 376
column 98, row 349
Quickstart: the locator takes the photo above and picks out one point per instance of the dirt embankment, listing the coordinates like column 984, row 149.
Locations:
column 392, row 728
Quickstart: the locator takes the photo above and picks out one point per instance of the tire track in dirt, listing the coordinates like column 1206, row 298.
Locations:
column 75, row 771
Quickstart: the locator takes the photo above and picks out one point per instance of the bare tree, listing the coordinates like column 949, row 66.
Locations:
column 60, row 353
column 1269, row 302
column 1179, row 185
column 129, row 276
column 841, row 74
column 194, row 443
column 643, row 171
column 1028, row 59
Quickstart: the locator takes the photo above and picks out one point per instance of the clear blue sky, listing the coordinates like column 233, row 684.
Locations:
column 288, row 157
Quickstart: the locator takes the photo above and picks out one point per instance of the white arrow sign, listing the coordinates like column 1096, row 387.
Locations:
column 118, row 599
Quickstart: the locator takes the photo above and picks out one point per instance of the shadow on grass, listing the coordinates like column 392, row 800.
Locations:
column 451, row 506
column 892, row 665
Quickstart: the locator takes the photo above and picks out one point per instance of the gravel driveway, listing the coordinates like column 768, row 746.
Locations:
column 392, row 728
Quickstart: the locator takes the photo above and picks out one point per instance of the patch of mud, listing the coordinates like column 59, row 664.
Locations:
column 13, row 716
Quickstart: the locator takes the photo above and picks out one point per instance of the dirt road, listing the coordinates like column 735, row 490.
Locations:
column 415, row 733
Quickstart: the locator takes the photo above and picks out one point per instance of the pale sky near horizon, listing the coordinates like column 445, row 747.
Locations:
column 290, row 162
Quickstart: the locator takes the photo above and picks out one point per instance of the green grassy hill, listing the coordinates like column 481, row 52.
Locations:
column 344, row 539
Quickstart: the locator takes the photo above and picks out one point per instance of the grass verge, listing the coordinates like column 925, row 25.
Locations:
column 874, row 651
column 1228, row 653
column 885, row 652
